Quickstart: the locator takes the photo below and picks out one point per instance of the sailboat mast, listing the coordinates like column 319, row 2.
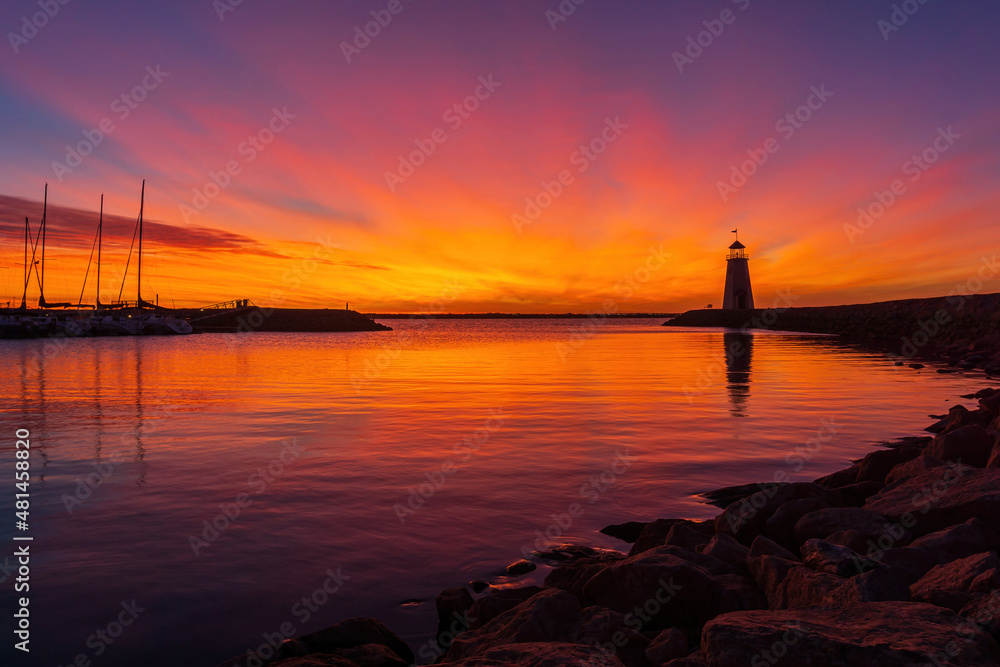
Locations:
column 27, row 273
column 100, row 225
column 142, row 199
column 41, row 284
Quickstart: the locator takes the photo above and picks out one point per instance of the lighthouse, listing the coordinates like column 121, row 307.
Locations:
column 739, row 295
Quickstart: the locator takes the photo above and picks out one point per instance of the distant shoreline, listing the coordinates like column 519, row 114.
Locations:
column 516, row 316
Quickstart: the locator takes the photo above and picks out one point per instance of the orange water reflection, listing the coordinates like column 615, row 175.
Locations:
column 429, row 457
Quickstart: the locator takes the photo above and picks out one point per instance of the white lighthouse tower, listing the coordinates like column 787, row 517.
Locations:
column 739, row 295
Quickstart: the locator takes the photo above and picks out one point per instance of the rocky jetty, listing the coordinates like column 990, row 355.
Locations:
column 890, row 562
column 249, row 318
column 962, row 328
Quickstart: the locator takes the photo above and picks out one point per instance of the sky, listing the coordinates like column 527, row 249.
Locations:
column 523, row 156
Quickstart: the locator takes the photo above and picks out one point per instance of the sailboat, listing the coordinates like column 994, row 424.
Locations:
column 155, row 322
column 103, row 323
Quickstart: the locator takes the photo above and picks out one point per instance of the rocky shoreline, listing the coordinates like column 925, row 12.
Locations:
column 962, row 329
column 892, row 561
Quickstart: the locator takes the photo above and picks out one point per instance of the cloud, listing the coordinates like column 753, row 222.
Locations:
column 72, row 228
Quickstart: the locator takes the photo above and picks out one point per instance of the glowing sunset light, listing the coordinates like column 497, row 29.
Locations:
column 526, row 159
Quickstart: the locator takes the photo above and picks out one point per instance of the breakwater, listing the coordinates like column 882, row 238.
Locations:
column 965, row 329
column 253, row 318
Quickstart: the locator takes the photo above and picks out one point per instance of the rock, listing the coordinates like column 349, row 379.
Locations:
column 941, row 497
column 881, row 584
column 994, row 461
column 852, row 539
column 598, row 626
column 520, row 567
column 856, row 495
column 668, row 645
column 990, row 403
column 912, row 467
column 851, row 635
column 551, row 616
column 314, row 660
column 355, row 632
column 958, row 415
column 478, row 586
column 546, row 616
column 684, row 536
column 728, row 495
column 822, row 523
column 823, row 556
column 542, row 654
column 626, row 532
column 726, row 549
column 781, row 526
column 917, row 367
column 655, row 533
column 844, row 477
column 875, row 466
column 803, row 587
column 763, row 546
column 984, row 612
column 488, row 607
column 972, row 537
column 911, row 562
column 568, row 552
column 696, row 659
column 452, row 605
column 671, row 590
column 372, row 655
column 745, row 520
column 969, row 444
column 951, row 584
column 768, row 572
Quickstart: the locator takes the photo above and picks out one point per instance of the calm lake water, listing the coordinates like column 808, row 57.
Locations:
column 402, row 462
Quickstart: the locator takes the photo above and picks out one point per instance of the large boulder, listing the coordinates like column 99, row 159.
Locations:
column 499, row 600
column 840, row 478
column 726, row 549
column 824, row 556
column 856, row 495
column 969, row 444
column 763, row 546
column 314, row 660
column 670, row 587
column 728, row 495
column 887, row 634
column 994, row 461
column 683, row 535
column 550, row 616
column 654, row 534
column 878, row 464
column 746, row 519
column 541, row 654
column 626, row 532
column 972, row 537
column 453, row 605
column 912, row 467
column 372, row 655
column 941, row 497
column 955, row 584
column 984, row 612
column 912, row 562
column 781, row 526
column 352, row 633
column 823, row 523
column 852, row 539
column 666, row 646
column 958, row 416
